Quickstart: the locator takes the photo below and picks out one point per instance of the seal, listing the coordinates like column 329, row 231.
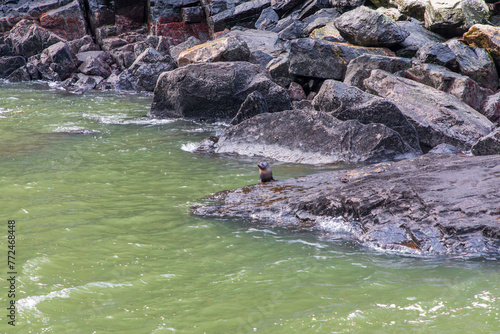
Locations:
column 265, row 172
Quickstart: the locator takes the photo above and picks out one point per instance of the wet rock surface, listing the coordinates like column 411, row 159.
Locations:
column 312, row 137
column 434, row 205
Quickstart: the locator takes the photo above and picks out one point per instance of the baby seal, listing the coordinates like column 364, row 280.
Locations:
column 265, row 172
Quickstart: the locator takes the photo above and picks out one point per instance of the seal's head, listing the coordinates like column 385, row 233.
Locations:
column 265, row 172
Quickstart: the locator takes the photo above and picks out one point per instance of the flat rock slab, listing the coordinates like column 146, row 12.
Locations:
column 434, row 205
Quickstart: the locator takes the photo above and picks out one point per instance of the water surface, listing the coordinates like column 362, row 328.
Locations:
column 106, row 244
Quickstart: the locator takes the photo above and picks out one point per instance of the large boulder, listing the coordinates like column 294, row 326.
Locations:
column 325, row 60
column 95, row 66
column 221, row 49
column 460, row 86
column 476, row 63
column 345, row 103
column 10, row 64
column 176, row 50
column 453, row 17
column 311, row 137
column 435, row 205
column 419, row 36
column 439, row 117
column 28, row 39
column 66, row 21
column 361, row 67
column 213, row 91
column 367, row 27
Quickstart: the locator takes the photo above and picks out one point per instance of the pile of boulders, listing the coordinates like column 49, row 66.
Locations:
column 395, row 78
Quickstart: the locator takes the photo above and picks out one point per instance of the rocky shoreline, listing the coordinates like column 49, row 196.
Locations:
column 303, row 81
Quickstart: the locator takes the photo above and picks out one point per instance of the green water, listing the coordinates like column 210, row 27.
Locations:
column 105, row 242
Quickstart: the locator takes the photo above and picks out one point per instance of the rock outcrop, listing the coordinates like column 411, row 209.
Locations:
column 434, row 205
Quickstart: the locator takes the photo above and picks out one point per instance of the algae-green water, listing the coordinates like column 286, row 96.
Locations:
column 105, row 243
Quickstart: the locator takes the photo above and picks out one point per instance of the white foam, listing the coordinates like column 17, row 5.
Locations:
column 189, row 147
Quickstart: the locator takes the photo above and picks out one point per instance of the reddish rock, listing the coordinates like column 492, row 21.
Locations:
column 180, row 31
column 486, row 37
column 67, row 21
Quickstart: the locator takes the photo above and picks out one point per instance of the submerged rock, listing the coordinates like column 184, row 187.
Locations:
column 434, row 205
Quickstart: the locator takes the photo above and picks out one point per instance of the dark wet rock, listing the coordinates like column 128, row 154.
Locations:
column 148, row 67
column 76, row 45
column 491, row 108
column 192, row 14
column 245, row 14
column 5, row 51
column 140, row 47
column 453, row 17
column 19, row 75
column 439, row 54
column 260, row 58
column 296, row 92
column 434, row 205
column 10, row 64
column 124, row 81
column 279, row 70
column 441, row 78
column 311, row 137
column 293, row 31
column 283, row 7
column 419, row 36
column 345, row 103
column 221, row 49
column 176, row 50
column 253, row 105
column 28, row 39
column 213, row 91
column 67, row 21
column 475, row 63
column 311, row 7
column 95, row 66
column 100, row 13
column 325, row 60
column 488, row 145
column 346, row 5
column 360, row 68
column 267, row 19
column 439, row 117
column 59, row 58
column 367, row 27
column 123, row 56
column 84, row 83
column 445, row 149
column 486, row 37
